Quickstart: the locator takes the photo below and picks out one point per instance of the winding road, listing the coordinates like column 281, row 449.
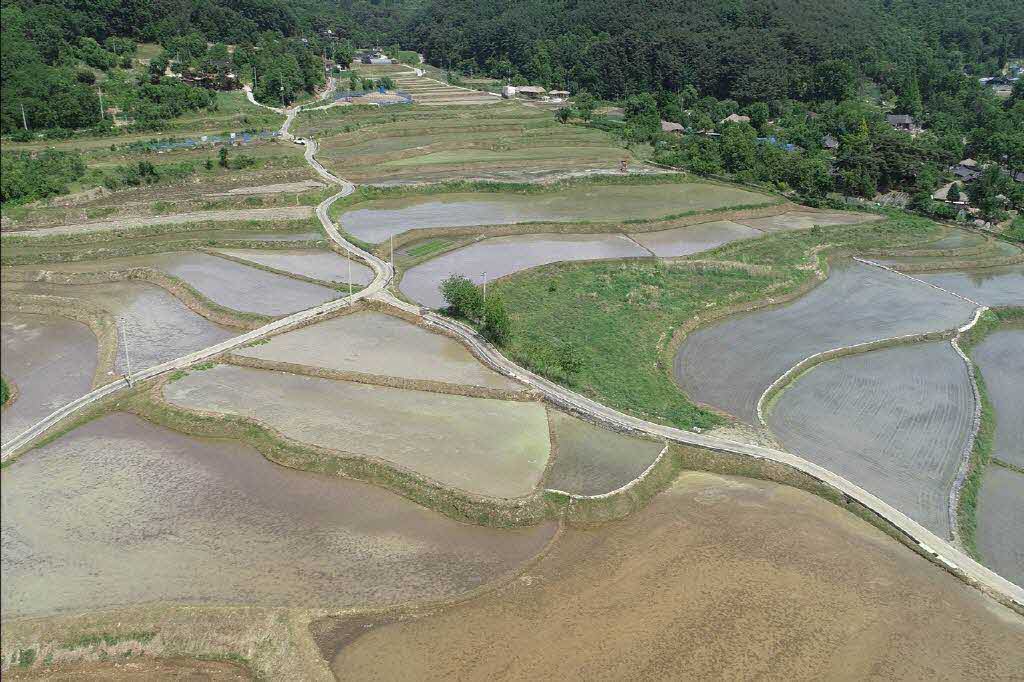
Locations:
column 954, row 559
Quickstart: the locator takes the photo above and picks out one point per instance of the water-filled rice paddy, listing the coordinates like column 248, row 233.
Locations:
column 158, row 327
column 51, row 361
column 802, row 220
column 1000, row 357
column 1000, row 535
column 894, row 421
column 717, row 578
column 319, row 264
column 592, row 460
column 375, row 221
column 491, row 447
column 682, row 241
column 370, row 342
column 729, row 364
column 121, row 512
column 996, row 286
column 500, row 256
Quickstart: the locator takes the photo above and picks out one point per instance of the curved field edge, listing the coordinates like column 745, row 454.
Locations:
column 627, row 318
column 981, row 451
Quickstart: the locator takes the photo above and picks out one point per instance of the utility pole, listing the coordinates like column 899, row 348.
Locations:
column 127, row 360
column 485, row 288
column 392, row 253
column 348, row 254
column 24, row 120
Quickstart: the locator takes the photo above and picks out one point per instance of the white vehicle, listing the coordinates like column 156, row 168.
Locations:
column 299, row 140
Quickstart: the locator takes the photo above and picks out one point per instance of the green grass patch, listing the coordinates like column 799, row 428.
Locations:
column 5, row 391
column 622, row 315
column 428, row 247
column 92, row 640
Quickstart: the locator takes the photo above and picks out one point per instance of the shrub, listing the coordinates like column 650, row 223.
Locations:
column 462, row 296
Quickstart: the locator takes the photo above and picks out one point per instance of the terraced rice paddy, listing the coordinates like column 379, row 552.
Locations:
column 375, row 221
column 729, row 364
column 894, row 421
column 318, row 264
column 157, row 325
column 1000, row 535
column 802, row 220
column 1000, row 357
column 227, row 283
column 428, row 91
column 717, row 578
column 373, row 343
column 594, row 461
column 979, row 257
column 121, row 512
column 490, row 447
column 50, row 360
column 997, row 286
column 682, row 241
column 500, row 256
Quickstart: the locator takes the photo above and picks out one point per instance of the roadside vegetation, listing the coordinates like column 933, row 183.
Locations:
column 621, row 316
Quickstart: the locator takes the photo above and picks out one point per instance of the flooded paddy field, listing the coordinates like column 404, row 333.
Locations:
column 729, row 364
column 682, row 241
column 979, row 258
column 158, row 326
column 375, row 221
column 490, row 447
column 996, row 286
column 717, row 578
column 320, row 264
column 802, row 220
column 374, row 343
column 224, row 282
column 51, row 361
column 500, row 256
column 894, row 421
column 1000, row 357
column 592, row 460
column 1000, row 511
column 122, row 512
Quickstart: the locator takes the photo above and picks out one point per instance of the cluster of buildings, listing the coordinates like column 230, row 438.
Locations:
column 534, row 92
column 373, row 56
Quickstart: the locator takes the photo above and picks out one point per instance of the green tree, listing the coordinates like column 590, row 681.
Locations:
column 832, row 79
column 585, row 104
column 562, row 114
column 497, row 323
column 739, row 147
column 909, row 99
column 758, row 113
column 641, row 114
column 222, row 157
column 462, row 297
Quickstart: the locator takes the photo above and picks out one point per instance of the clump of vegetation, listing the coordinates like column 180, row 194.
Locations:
column 5, row 391
column 465, row 300
column 25, row 178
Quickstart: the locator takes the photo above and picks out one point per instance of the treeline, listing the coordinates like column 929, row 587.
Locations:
column 747, row 50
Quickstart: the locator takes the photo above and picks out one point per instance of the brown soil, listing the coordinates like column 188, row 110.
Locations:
column 718, row 577
column 137, row 669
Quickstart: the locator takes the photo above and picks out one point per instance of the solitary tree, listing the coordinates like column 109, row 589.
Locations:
column 462, row 296
column 222, row 157
column 585, row 104
column 497, row 323
column 563, row 114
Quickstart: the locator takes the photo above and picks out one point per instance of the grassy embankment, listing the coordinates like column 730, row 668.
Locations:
column 623, row 316
column 5, row 391
column 981, row 453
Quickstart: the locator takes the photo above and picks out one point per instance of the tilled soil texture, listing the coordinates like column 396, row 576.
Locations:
column 801, row 220
column 155, row 325
column 51, row 361
column 594, row 461
column 490, row 447
column 997, row 286
column 284, row 213
column 718, row 578
column 682, row 241
column 375, row 221
column 1000, row 357
column 121, row 512
column 729, row 364
column 894, row 421
column 1000, row 512
column 500, row 256
column 319, row 264
column 374, row 343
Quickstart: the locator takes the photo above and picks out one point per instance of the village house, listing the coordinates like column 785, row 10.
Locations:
column 531, row 91
column 904, row 122
column 829, row 142
column 670, row 127
column 735, row 118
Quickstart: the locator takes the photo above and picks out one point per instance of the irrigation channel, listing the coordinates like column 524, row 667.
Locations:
column 930, row 544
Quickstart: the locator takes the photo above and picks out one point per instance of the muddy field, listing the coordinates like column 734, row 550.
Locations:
column 894, row 421
column 157, row 325
column 375, row 221
column 592, row 460
column 374, row 343
column 491, row 447
column 802, row 220
column 728, row 365
column 502, row 256
column 319, row 264
column 1001, row 522
column 122, row 512
column 51, row 361
column 1000, row 357
column 683, row 241
column 136, row 670
column 990, row 286
column 718, row 578
column 128, row 223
